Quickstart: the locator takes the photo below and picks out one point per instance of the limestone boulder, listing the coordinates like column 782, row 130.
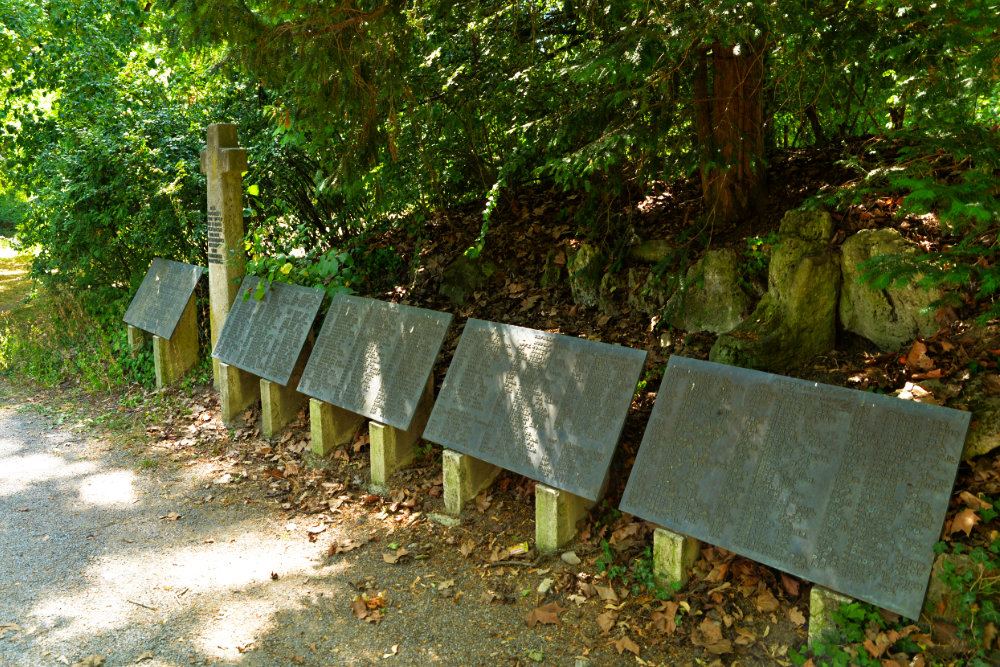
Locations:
column 552, row 271
column 984, row 431
column 653, row 251
column 942, row 600
column 648, row 292
column 710, row 298
column 889, row 317
column 586, row 269
column 464, row 276
column 796, row 319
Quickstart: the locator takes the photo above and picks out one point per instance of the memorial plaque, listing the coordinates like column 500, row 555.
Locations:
column 844, row 488
column 546, row 406
column 162, row 297
column 374, row 358
column 265, row 336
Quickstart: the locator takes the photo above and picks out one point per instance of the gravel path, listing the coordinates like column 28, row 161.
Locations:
column 179, row 564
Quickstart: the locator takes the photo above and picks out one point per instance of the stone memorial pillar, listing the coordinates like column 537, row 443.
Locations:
column 223, row 163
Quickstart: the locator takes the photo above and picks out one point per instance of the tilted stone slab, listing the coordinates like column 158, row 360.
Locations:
column 265, row 336
column 159, row 303
column 844, row 488
column 374, row 358
column 547, row 406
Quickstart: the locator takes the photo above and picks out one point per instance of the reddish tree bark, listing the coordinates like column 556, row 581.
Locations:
column 729, row 117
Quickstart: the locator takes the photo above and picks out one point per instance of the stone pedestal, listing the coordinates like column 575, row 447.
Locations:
column 556, row 514
column 173, row 358
column 673, row 555
column 223, row 163
column 822, row 604
column 278, row 406
column 237, row 390
column 331, row 426
column 136, row 339
column 464, row 477
column 391, row 448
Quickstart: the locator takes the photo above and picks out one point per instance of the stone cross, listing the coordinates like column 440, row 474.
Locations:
column 223, row 163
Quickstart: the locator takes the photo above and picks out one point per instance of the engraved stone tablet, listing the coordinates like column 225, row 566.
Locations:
column 265, row 337
column 546, row 406
column 841, row 487
column 162, row 297
column 374, row 358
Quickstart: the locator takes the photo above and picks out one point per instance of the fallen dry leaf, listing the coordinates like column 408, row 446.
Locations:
column 765, row 601
column 546, row 614
column 626, row 644
column 606, row 621
column 90, row 661
column 964, row 521
column 607, row 593
column 790, row 584
column 917, row 358
column 796, row 616
column 392, row 559
column 171, row 516
column 666, row 620
column 975, row 502
column 709, row 636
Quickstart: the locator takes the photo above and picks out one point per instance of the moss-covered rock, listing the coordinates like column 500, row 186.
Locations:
column 796, row 319
column 586, row 268
column 710, row 297
column 888, row 317
column 464, row 276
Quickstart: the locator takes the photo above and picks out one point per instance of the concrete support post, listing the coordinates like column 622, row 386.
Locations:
column 175, row 357
column 136, row 339
column 238, row 389
column 331, row 426
column 673, row 556
column 391, row 448
column 464, row 477
column 556, row 514
column 822, row 604
column 278, row 406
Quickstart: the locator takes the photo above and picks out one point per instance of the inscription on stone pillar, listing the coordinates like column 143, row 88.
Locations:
column 216, row 240
column 223, row 163
column 547, row 406
column 159, row 303
column 374, row 358
column 844, row 488
column 265, row 337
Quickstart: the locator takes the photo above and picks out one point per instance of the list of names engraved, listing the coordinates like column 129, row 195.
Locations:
column 159, row 303
column 844, row 488
column 547, row 406
column 265, row 336
column 374, row 358
column 215, row 237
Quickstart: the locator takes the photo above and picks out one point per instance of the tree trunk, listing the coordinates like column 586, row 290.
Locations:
column 730, row 125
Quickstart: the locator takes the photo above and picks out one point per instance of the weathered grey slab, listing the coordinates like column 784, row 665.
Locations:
column 841, row 487
column 549, row 407
column 374, row 357
column 265, row 337
column 164, row 293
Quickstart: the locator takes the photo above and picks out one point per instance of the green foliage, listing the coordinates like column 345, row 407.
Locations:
column 639, row 575
column 757, row 257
